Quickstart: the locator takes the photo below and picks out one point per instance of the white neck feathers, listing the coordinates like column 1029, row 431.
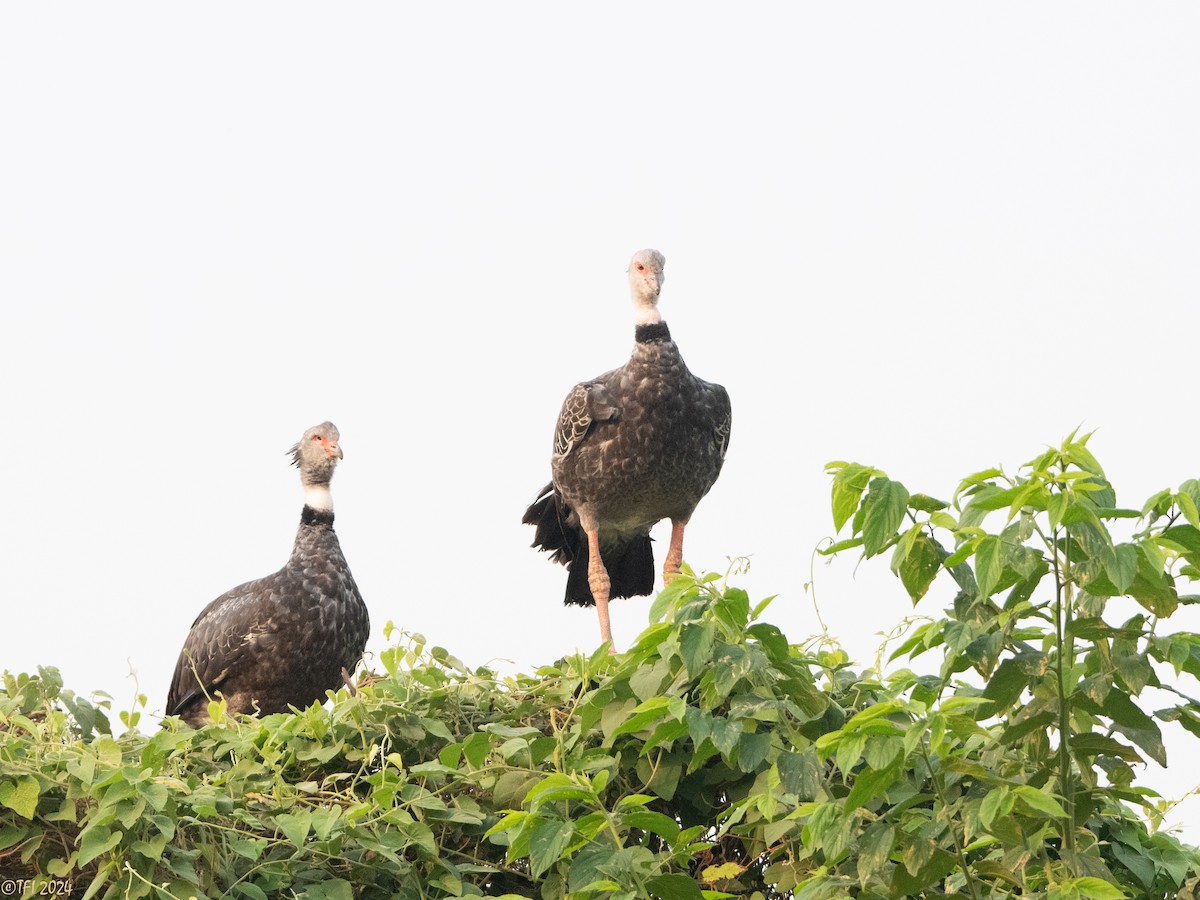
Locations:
column 318, row 497
column 646, row 315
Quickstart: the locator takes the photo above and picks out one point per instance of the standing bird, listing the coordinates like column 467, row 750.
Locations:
column 636, row 445
column 285, row 639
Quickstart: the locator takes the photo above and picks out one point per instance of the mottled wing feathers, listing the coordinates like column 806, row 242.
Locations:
column 218, row 641
column 588, row 402
column 723, row 416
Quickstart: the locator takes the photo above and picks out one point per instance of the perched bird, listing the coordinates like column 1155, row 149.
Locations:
column 285, row 639
column 633, row 446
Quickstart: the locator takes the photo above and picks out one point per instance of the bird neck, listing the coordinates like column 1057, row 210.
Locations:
column 646, row 313
column 651, row 333
column 310, row 516
column 318, row 497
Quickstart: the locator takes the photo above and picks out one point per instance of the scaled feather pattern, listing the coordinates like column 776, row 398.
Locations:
column 285, row 639
column 641, row 443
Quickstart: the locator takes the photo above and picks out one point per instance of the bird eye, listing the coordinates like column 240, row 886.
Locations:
column 641, row 268
column 316, row 437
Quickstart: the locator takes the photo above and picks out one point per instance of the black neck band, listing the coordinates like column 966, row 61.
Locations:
column 646, row 334
column 310, row 516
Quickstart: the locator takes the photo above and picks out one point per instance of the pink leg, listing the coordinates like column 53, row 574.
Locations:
column 599, row 583
column 675, row 553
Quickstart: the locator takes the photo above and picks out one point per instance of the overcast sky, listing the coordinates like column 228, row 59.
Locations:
column 928, row 237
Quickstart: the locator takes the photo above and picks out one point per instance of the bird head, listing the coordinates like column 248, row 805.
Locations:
column 317, row 454
column 645, row 281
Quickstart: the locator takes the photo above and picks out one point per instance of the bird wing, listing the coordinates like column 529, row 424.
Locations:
column 219, row 640
column 722, row 416
column 588, row 402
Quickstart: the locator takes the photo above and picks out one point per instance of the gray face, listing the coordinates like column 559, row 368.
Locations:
column 646, row 276
column 317, row 454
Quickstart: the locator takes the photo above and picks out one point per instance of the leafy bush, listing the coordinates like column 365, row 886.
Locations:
column 714, row 758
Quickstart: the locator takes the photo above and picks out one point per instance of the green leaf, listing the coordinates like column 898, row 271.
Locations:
column 799, row 773
column 295, row 826
column 997, row 804
column 21, row 796
column 723, row 871
column 724, row 734
column 753, row 749
column 1152, row 587
column 1093, row 888
column 696, row 646
column 873, row 712
column 1040, row 801
column 550, row 837
column 1055, row 508
column 331, row 889
column 554, row 787
column 664, row 826
column 674, row 887
column 883, row 511
column 988, row 564
column 925, row 503
column 642, row 715
column 848, row 484
column 850, row 750
column 943, row 520
column 965, row 551
column 920, row 566
column 774, row 641
column 96, row 840
column 1135, row 670
column 475, row 748
column 699, row 724
column 1186, row 538
column 11, row 834
column 1132, row 722
column 874, row 848
column 1026, row 726
column 838, row 547
column 1121, row 567
column 989, row 498
column 512, row 787
column 871, row 783
column 249, row 848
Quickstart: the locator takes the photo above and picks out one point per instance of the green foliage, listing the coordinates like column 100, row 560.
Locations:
column 1040, row 708
column 714, row 758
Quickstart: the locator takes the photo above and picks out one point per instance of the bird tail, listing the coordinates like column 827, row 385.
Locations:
column 549, row 513
column 630, row 573
column 630, row 567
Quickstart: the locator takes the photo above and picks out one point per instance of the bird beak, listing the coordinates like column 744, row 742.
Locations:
column 332, row 448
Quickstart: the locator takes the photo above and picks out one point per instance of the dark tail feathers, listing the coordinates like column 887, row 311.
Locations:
column 630, row 573
column 550, row 514
column 630, row 568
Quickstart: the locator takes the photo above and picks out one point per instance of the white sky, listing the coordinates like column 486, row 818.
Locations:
column 929, row 237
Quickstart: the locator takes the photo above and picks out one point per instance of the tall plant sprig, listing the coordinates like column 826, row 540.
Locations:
column 1036, row 567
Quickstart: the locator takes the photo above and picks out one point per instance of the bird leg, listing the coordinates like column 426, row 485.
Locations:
column 674, row 553
column 599, row 583
column 349, row 682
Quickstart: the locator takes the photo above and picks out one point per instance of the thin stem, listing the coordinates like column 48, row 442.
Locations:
column 1062, row 619
column 962, row 857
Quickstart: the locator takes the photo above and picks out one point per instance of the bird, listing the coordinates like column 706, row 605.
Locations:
column 633, row 446
column 285, row 639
